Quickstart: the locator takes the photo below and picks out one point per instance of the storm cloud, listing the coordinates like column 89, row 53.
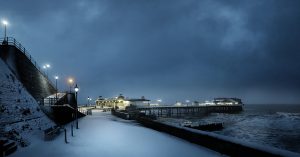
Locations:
column 171, row 50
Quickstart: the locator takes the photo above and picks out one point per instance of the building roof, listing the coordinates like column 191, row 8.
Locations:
column 138, row 100
column 123, row 98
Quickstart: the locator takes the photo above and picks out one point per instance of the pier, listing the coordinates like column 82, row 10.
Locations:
column 179, row 111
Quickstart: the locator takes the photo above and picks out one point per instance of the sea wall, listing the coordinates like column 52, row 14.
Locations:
column 219, row 143
column 26, row 72
column 122, row 115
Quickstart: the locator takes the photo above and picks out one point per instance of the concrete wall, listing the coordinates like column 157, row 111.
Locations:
column 39, row 87
column 214, row 142
column 26, row 72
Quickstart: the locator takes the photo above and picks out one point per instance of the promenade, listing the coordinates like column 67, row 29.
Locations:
column 102, row 134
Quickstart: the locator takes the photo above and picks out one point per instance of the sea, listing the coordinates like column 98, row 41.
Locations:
column 272, row 125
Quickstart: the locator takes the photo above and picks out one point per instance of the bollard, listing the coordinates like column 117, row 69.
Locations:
column 65, row 135
column 72, row 130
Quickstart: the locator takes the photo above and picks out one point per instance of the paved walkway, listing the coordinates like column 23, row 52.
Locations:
column 105, row 135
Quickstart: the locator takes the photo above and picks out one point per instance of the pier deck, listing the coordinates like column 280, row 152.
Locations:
column 178, row 111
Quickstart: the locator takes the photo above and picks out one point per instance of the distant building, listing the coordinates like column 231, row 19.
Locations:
column 121, row 102
column 178, row 103
column 227, row 101
column 219, row 101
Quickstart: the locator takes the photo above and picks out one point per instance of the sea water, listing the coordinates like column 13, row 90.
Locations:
column 273, row 125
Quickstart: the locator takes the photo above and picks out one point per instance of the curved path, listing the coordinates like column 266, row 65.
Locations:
column 102, row 134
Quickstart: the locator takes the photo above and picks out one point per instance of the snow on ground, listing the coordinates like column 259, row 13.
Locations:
column 18, row 109
column 102, row 134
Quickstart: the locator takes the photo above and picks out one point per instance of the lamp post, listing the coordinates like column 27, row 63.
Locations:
column 46, row 67
column 89, row 99
column 187, row 102
column 76, row 90
column 70, row 81
column 56, row 78
column 5, row 23
column 159, row 101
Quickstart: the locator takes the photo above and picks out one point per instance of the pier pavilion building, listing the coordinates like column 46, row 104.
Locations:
column 121, row 103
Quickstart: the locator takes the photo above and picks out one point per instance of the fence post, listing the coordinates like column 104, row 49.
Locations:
column 72, row 130
column 65, row 135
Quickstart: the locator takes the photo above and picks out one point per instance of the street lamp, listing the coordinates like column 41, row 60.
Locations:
column 70, row 81
column 187, row 102
column 46, row 67
column 159, row 101
column 76, row 90
column 89, row 99
column 5, row 23
column 56, row 78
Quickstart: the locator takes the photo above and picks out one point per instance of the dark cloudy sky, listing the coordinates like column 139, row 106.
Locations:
column 165, row 49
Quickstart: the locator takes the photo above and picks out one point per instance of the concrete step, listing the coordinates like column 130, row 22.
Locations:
column 7, row 147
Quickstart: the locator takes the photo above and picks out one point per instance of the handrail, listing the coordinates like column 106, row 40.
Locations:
column 13, row 42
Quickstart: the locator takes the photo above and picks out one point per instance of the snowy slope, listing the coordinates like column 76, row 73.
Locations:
column 20, row 115
column 103, row 135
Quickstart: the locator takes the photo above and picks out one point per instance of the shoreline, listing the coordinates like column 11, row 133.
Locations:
column 216, row 142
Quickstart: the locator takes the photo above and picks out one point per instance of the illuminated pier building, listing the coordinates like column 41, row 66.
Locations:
column 121, row 103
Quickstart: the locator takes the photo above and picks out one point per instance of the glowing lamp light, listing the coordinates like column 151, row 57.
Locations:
column 46, row 66
column 70, row 81
column 76, row 88
column 56, row 77
column 4, row 22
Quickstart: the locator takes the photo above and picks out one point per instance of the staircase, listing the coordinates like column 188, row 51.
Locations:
column 7, row 147
column 61, row 107
column 53, row 99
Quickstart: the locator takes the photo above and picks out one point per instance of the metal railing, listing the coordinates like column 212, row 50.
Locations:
column 13, row 42
column 51, row 102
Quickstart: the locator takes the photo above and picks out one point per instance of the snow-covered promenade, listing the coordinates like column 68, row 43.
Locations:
column 105, row 135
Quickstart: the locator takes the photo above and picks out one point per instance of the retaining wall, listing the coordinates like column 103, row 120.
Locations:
column 26, row 72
